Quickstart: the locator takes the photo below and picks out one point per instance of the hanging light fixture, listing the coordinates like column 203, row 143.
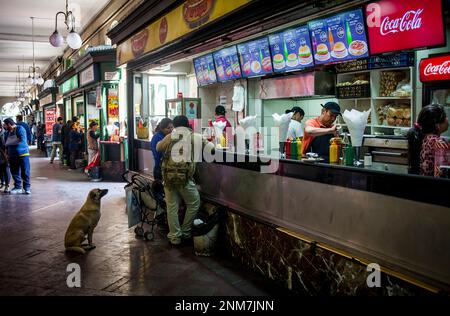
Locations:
column 36, row 79
column 73, row 39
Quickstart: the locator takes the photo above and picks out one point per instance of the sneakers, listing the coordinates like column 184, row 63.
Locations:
column 7, row 190
column 51, row 161
column 26, row 191
column 16, row 191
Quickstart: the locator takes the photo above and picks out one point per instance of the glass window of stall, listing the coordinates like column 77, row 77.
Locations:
column 150, row 95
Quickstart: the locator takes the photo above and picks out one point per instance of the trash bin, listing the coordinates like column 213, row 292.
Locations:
column 205, row 231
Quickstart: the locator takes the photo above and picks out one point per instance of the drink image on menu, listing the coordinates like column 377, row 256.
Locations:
column 356, row 34
column 276, row 44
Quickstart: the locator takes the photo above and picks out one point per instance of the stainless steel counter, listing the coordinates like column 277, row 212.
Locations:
column 404, row 235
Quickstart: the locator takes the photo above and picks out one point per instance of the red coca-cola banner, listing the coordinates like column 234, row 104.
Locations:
column 395, row 25
column 435, row 68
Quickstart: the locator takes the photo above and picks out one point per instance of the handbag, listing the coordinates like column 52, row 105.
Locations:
column 12, row 140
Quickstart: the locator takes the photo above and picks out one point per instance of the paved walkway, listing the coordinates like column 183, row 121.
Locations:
column 33, row 261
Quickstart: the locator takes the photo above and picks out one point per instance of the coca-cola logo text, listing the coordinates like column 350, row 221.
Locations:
column 442, row 69
column 411, row 20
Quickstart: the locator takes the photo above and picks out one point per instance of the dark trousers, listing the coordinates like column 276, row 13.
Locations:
column 4, row 174
column 73, row 157
column 20, row 171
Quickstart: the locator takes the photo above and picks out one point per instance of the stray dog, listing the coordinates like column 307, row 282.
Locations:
column 84, row 222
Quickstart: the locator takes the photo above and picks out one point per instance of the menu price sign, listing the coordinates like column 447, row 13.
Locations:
column 399, row 25
column 227, row 64
column 204, row 70
column 255, row 58
column 291, row 49
column 338, row 38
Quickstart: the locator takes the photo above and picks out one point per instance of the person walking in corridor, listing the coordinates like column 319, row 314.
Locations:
column 18, row 155
column 56, row 141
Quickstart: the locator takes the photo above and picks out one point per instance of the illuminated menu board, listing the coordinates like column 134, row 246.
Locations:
column 338, row 38
column 227, row 64
column 204, row 70
column 291, row 49
column 255, row 58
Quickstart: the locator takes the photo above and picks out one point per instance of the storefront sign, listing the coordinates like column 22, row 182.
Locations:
column 398, row 25
column 189, row 16
column 49, row 120
column 435, row 68
column 68, row 85
column 87, row 75
column 112, row 75
column 46, row 100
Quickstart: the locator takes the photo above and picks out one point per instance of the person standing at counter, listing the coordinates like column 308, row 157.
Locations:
column 295, row 127
column 178, row 178
column 319, row 131
column 92, row 140
column 164, row 128
column 422, row 138
column 56, row 140
column 75, row 144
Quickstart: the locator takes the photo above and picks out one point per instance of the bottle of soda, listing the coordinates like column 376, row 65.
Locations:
column 349, row 34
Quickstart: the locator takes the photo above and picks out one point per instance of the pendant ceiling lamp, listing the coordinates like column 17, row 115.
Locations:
column 73, row 39
column 36, row 78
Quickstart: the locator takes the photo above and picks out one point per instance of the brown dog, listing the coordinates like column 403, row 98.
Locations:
column 84, row 222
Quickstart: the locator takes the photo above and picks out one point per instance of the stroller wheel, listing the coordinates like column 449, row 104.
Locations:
column 149, row 235
column 139, row 231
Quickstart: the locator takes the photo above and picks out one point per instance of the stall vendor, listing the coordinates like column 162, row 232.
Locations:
column 295, row 126
column 319, row 131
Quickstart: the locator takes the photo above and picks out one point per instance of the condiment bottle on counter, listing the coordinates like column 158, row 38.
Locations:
column 349, row 155
column 368, row 159
column 294, row 149
column 287, row 149
column 335, row 149
column 299, row 147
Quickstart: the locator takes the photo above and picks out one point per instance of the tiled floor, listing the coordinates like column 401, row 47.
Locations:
column 33, row 261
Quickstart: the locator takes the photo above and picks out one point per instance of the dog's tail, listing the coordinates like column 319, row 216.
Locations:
column 76, row 249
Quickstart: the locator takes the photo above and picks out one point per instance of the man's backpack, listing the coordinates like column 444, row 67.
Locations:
column 176, row 174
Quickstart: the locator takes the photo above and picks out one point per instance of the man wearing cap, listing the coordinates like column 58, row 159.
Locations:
column 319, row 131
column 19, row 156
column 295, row 126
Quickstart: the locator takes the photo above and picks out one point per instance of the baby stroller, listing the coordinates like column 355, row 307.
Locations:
column 145, row 204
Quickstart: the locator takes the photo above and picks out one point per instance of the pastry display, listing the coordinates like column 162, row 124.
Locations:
column 389, row 81
column 394, row 115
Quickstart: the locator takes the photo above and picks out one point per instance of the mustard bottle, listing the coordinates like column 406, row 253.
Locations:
column 335, row 144
column 299, row 147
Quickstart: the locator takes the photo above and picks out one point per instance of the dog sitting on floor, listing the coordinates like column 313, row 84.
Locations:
column 84, row 223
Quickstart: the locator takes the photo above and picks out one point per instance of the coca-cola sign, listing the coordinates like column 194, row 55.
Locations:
column 435, row 68
column 395, row 25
